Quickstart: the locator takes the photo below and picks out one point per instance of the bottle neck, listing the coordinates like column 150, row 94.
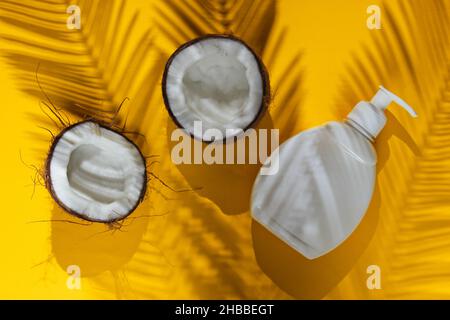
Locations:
column 367, row 119
column 358, row 128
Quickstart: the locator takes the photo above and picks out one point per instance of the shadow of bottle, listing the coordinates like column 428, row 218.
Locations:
column 95, row 247
column 313, row 279
column 229, row 186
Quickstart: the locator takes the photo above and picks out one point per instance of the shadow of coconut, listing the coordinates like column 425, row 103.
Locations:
column 227, row 185
column 313, row 279
column 95, row 247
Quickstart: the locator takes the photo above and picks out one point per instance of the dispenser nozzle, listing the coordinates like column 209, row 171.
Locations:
column 384, row 97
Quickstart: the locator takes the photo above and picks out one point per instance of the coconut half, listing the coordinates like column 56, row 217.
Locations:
column 96, row 173
column 218, row 80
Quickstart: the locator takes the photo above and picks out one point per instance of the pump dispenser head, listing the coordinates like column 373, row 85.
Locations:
column 369, row 117
column 384, row 97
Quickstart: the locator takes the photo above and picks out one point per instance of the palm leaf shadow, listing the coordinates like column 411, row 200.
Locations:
column 180, row 21
column 86, row 73
column 254, row 22
column 99, row 85
column 412, row 61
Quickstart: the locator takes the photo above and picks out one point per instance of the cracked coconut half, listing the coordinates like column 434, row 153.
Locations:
column 218, row 80
column 96, row 173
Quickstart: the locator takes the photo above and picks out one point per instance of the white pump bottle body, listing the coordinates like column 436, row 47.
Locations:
column 325, row 180
column 331, row 169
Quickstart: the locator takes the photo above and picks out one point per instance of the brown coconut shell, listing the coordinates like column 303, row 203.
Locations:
column 48, row 181
column 262, row 69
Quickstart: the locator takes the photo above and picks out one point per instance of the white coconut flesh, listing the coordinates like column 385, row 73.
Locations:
column 96, row 173
column 215, row 80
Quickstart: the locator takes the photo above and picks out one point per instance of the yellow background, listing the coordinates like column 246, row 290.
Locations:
column 203, row 244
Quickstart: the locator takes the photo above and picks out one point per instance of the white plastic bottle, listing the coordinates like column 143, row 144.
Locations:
column 325, row 180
